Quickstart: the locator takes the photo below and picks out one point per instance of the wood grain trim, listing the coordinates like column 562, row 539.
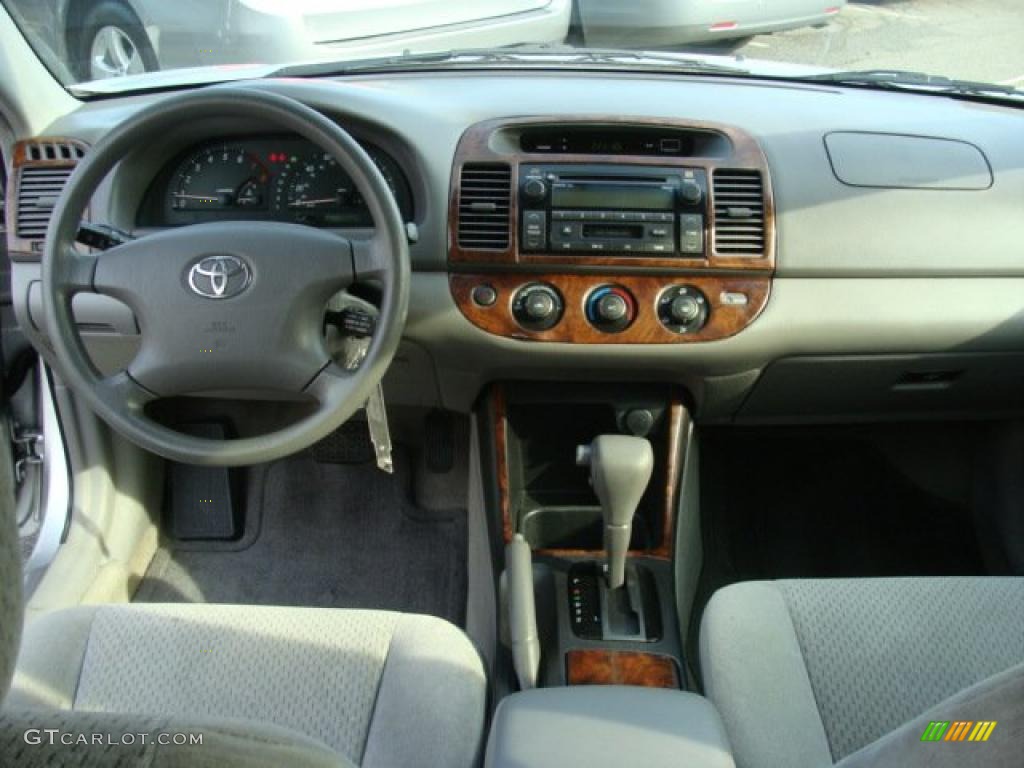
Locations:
column 481, row 144
column 679, row 424
column 679, row 427
column 723, row 320
column 501, row 454
column 19, row 246
column 600, row 667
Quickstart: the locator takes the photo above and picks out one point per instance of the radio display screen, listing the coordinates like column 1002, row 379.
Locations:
column 616, row 197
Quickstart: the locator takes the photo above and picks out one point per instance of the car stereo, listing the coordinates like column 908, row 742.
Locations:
column 613, row 209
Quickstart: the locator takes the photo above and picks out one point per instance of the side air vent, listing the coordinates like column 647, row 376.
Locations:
column 739, row 213
column 66, row 151
column 485, row 192
column 38, row 190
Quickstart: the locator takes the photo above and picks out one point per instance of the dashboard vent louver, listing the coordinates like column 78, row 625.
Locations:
column 739, row 212
column 36, row 151
column 485, row 193
column 38, row 190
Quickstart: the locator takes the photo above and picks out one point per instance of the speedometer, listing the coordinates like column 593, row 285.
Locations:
column 217, row 178
column 313, row 189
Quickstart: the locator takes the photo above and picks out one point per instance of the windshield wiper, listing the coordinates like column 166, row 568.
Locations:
column 899, row 79
column 530, row 55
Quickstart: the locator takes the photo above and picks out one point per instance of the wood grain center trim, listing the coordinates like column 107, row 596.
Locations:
column 601, row 667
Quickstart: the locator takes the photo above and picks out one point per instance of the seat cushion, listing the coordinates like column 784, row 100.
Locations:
column 376, row 687
column 805, row 672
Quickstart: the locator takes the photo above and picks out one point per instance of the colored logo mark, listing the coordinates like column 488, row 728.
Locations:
column 958, row 730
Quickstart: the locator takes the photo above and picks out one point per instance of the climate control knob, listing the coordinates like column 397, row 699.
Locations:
column 537, row 306
column 683, row 309
column 610, row 308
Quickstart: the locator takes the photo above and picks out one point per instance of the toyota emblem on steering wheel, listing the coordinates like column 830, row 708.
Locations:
column 219, row 277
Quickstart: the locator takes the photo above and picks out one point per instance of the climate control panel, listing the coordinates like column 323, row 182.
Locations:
column 620, row 309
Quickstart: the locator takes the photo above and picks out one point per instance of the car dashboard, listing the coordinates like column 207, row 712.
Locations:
column 780, row 251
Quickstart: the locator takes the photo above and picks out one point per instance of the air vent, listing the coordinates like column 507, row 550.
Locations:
column 484, row 197
column 38, row 190
column 739, row 213
column 36, row 151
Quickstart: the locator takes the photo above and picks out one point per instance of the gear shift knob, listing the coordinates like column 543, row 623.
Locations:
column 620, row 469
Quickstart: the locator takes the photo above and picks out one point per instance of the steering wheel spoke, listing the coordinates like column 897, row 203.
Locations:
column 120, row 388
column 371, row 261
column 79, row 271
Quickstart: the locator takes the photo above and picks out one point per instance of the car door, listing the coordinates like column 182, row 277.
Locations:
column 28, row 421
column 340, row 20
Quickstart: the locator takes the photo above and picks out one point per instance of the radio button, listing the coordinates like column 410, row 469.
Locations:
column 484, row 295
column 534, row 230
column 691, row 233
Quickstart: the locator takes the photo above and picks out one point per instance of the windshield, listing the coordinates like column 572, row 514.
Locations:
column 108, row 46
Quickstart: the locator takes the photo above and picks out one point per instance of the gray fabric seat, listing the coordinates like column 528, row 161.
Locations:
column 805, row 673
column 378, row 688
column 262, row 686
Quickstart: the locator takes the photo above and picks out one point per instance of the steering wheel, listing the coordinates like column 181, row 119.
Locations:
column 227, row 305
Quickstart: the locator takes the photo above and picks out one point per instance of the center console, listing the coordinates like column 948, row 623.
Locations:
column 601, row 231
column 598, row 231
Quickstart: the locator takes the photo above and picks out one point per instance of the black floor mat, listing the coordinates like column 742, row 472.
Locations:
column 330, row 535
column 790, row 502
column 820, row 503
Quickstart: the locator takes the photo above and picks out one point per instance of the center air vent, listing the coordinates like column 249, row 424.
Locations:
column 485, row 191
column 38, row 190
column 739, row 213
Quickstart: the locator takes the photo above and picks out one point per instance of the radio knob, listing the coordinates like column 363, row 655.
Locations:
column 684, row 309
column 535, row 190
column 690, row 192
column 537, row 306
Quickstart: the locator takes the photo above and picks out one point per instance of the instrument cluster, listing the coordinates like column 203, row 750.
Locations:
column 267, row 178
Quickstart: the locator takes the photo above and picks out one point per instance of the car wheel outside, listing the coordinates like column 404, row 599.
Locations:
column 112, row 43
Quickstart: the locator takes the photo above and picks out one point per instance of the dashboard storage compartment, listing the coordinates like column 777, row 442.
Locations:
column 606, row 727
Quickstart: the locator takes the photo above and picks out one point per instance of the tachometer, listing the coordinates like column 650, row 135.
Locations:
column 218, row 178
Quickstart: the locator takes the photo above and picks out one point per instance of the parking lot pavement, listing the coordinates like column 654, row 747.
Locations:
column 968, row 39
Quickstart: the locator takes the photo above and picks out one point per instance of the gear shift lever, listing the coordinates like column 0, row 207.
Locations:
column 620, row 468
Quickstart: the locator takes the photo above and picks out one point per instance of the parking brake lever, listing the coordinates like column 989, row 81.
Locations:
column 522, row 612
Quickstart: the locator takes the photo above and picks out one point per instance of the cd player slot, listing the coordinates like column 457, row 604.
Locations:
column 590, row 179
column 611, row 231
